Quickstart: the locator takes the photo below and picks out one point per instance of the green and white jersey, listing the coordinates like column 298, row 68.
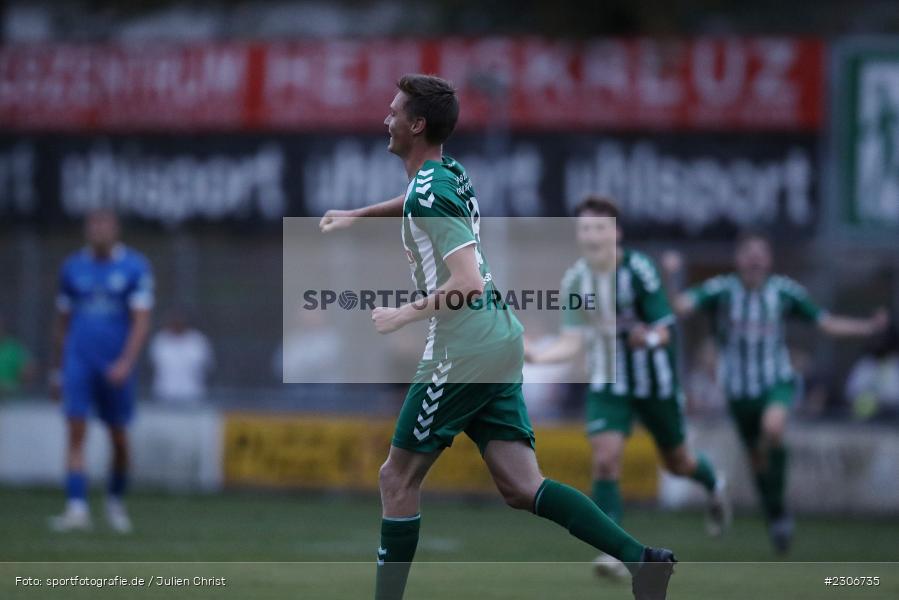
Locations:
column 631, row 294
column 749, row 327
column 440, row 217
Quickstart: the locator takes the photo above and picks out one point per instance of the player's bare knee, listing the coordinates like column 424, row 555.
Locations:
column 394, row 481
column 388, row 477
column 606, row 466
column 517, row 496
column 774, row 424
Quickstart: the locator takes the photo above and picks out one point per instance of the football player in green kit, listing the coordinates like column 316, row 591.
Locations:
column 749, row 309
column 469, row 376
column 628, row 339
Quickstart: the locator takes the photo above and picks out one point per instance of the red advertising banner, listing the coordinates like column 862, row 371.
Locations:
column 523, row 83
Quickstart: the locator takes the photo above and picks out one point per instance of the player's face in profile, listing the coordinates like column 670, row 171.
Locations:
column 753, row 261
column 398, row 126
column 101, row 229
column 597, row 238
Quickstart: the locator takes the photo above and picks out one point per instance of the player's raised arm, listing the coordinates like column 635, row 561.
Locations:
column 801, row 306
column 464, row 278
column 341, row 219
column 841, row 326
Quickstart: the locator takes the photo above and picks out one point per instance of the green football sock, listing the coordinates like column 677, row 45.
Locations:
column 761, row 486
column 777, row 476
column 770, row 483
column 584, row 520
column 399, row 539
column 704, row 473
column 607, row 497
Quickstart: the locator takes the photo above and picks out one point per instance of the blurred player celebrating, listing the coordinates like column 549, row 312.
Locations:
column 750, row 308
column 103, row 317
column 440, row 230
column 631, row 362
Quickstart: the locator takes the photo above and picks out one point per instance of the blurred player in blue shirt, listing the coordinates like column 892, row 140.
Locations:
column 103, row 318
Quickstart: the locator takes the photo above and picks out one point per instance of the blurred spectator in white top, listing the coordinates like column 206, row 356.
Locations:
column 873, row 384
column 813, row 398
column 311, row 347
column 182, row 358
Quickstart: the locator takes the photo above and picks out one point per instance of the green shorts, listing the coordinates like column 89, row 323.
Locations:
column 450, row 396
column 748, row 412
column 664, row 418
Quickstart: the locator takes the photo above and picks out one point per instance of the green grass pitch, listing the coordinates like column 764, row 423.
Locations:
column 274, row 546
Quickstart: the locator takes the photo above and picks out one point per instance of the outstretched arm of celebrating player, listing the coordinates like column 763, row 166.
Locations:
column 840, row 326
column 564, row 348
column 341, row 219
column 464, row 278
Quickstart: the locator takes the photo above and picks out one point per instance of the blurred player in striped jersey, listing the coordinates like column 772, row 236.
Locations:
column 102, row 321
column 629, row 339
column 749, row 309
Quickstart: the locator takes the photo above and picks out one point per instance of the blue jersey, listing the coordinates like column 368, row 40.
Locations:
column 99, row 296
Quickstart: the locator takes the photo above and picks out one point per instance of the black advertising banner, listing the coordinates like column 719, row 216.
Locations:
column 697, row 184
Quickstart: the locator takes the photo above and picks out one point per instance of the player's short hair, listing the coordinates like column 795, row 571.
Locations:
column 434, row 100
column 745, row 236
column 597, row 205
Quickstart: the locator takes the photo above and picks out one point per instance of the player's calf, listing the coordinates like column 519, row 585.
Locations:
column 515, row 472
column 518, row 491
column 519, row 494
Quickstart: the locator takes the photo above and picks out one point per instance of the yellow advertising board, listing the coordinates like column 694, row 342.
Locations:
column 323, row 452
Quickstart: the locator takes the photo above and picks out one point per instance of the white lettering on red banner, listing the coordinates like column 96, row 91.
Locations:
column 526, row 83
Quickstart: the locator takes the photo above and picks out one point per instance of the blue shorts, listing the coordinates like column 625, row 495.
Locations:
column 85, row 388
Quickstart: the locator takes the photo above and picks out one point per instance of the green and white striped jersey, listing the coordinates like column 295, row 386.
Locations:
column 631, row 294
column 440, row 217
column 749, row 327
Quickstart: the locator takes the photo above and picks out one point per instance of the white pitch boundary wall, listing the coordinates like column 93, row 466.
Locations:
column 179, row 450
column 833, row 468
